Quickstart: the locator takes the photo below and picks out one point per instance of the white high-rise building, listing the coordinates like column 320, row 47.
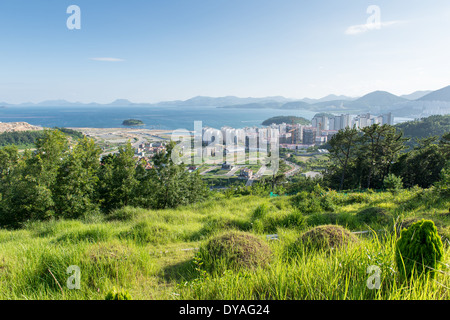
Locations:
column 388, row 119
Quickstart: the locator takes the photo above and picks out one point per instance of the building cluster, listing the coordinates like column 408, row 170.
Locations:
column 149, row 149
column 248, row 139
column 146, row 151
column 323, row 127
column 290, row 135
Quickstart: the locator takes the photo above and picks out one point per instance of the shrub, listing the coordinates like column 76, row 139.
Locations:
column 443, row 185
column 125, row 214
column 234, row 250
column 318, row 219
column 216, row 224
column 285, row 219
column 93, row 234
column 281, row 203
column 327, row 237
column 146, row 232
column 419, row 249
column 115, row 294
column 261, row 211
column 313, row 202
column 441, row 228
column 406, row 223
column 294, row 219
column 393, row 183
column 358, row 198
column 306, row 203
column 373, row 215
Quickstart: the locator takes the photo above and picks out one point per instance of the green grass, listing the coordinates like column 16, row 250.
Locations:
column 152, row 253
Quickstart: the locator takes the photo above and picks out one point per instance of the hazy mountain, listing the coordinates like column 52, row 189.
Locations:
column 438, row 95
column 378, row 99
column 331, row 97
column 51, row 103
column 330, row 105
column 373, row 101
column 121, row 102
column 271, row 105
column 416, row 95
column 256, row 105
column 295, row 105
column 230, row 101
column 65, row 103
column 435, row 102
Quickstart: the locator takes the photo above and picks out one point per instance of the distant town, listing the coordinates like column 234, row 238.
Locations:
column 299, row 143
column 234, row 143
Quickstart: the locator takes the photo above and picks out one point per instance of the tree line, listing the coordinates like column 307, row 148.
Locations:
column 364, row 159
column 29, row 138
column 66, row 179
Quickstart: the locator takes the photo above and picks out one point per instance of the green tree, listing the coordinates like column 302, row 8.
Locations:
column 380, row 148
column 343, row 146
column 29, row 194
column 117, row 179
column 74, row 190
column 422, row 165
column 393, row 183
column 168, row 185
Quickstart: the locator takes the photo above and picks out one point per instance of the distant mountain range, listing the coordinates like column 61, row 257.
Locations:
column 416, row 95
column 416, row 104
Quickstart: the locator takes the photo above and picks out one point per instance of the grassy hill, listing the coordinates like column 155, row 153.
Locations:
column 151, row 253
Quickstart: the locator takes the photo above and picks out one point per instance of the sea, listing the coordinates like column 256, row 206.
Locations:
column 154, row 117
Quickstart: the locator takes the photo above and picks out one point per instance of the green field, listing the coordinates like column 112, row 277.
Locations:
column 151, row 253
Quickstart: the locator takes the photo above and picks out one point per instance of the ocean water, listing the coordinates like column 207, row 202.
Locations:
column 165, row 118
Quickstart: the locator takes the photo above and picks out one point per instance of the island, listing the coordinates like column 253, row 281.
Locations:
column 132, row 122
column 287, row 120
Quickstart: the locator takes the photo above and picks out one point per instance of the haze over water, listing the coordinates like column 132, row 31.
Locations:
column 165, row 118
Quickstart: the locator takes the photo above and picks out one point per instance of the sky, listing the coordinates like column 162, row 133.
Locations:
column 159, row 50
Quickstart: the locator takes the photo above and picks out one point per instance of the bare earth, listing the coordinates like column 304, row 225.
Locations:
column 105, row 133
column 119, row 134
column 18, row 126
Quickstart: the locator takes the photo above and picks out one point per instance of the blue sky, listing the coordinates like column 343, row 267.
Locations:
column 150, row 51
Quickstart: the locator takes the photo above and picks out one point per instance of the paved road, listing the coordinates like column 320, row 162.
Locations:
column 233, row 171
column 257, row 176
column 208, row 170
column 294, row 168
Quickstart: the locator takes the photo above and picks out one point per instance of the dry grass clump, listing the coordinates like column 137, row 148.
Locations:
column 327, row 237
column 234, row 250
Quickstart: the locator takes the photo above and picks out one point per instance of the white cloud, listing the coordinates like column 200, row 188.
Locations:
column 107, row 59
column 361, row 28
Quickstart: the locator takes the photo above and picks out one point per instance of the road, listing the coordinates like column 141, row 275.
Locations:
column 257, row 176
column 208, row 170
column 294, row 169
column 233, row 171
